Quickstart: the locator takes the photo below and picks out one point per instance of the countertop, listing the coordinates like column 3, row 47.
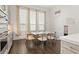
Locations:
column 73, row 38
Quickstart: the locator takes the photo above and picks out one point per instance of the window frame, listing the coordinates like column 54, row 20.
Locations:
column 30, row 20
column 37, row 24
column 37, row 20
column 44, row 22
column 22, row 24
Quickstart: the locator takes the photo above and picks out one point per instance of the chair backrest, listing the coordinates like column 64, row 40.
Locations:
column 42, row 37
column 30, row 36
column 50, row 35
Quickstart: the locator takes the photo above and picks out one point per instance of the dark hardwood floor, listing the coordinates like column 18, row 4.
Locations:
column 21, row 47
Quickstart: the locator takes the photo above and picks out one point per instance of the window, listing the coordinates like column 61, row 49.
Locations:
column 23, row 17
column 41, row 21
column 32, row 20
column 35, row 21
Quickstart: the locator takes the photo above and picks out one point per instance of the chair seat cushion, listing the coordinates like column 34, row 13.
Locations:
column 42, row 39
column 30, row 38
column 50, row 37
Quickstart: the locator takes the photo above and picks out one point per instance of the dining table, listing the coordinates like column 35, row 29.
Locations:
column 43, row 40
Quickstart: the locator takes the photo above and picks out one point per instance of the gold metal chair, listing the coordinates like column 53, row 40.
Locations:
column 51, row 36
column 51, row 39
column 29, row 40
column 32, row 40
column 43, row 39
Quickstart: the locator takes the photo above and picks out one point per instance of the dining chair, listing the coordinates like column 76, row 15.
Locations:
column 33, row 39
column 51, row 36
column 51, row 39
column 29, row 40
column 43, row 39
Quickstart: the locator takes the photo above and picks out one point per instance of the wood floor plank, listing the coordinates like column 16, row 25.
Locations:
column 20, row 47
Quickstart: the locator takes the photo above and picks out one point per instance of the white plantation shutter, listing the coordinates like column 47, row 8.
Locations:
column 32, row 20
column 23, row 18
column 41, row 21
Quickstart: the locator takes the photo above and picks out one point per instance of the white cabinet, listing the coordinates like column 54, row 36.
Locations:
column 5, row 37
column 7, row 47
column 4, row 8
column 66, row 51
column 69, row 48
column 9, row 43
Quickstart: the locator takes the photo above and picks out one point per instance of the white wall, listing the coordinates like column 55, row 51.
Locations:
column 72, row 19
column 57, row 21
column 69, row 16
column 50, row 21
